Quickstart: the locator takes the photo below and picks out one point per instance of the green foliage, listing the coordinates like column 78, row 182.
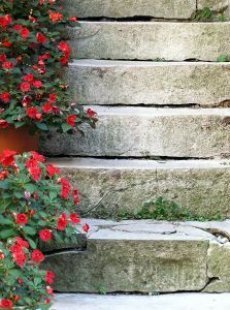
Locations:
column 223, row 58
column 162, row 209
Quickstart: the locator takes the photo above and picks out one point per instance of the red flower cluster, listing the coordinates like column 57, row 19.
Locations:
column 42, row 207
column 34, row 51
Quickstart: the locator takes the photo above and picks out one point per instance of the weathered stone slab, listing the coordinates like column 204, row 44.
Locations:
column 149, row 132
column 168, row 9
column 134, row 257
column 219, row 267
column 151, row 40
column 112, row 187
column 133, row 83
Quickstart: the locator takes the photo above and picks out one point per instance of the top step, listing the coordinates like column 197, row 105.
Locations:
column 165, row 9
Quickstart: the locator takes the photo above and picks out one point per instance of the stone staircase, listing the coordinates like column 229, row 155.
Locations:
column 151, row 73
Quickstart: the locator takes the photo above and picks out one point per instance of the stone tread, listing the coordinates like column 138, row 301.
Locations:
column 112, row 186
column 151, row 40
column 144, row 132
column 151, row 83
column 182, row 301
column 180, row 256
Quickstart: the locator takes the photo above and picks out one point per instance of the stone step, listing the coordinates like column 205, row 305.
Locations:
column 109, row 188
column 146, row 257
column 150, row 83
column 180, row 301
column 149, row 132
column 151, row 40
column 165, row 9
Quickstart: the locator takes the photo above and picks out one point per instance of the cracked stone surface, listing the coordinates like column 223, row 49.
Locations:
column 145, row 256
column 162, row 302
column 158, row 83
column 148, row 132
column 110, row 187
column 177, row 9
column 151, row 40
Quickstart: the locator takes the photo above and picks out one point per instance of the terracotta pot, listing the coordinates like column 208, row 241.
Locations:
column 18, row 139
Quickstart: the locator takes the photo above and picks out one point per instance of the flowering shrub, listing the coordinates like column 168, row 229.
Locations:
column 36, row 204
column 33, row 54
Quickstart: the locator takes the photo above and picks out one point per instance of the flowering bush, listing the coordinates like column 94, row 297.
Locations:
column 33, row 53
column 36, row 204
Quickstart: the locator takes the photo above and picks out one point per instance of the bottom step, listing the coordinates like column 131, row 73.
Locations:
column 134, row 302
column 146, row 257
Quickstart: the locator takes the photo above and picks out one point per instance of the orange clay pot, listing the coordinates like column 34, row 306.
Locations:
column 18, row 139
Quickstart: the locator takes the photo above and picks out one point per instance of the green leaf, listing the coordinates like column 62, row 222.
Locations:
column 7, row 233
column 4, row 184
column 65, row 127
column 5, row 221
column 29, row 230
column 32, row 243
column 42, row 126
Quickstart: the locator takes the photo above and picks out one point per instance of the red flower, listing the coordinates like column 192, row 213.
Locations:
column 45, row 235
column 52, row 170
column 73, row 19
column 37, row 157
column 85, row 228
column 65, row 188
column 37, row 256
column 5, row 97
column 37, row 84
column 5, row 20
column 24, row 87
column 64, row 47
column 40, row 38
column 2, row 57
column 21, row 242
column 90, row 113
column 21, row 219
column 24, row 33
column 49, row 277
column 6, row 304
column 33, row 113
column 74, row 218
column 62, row 222
column 28, row 78
column 19, row 257
column 2, row 256
column 7, row 65
column 3, row 175
column 3, row 124
column 7, row 158
column 47, row 108
column 35, row 173
column 71, row 120
column 55, row 16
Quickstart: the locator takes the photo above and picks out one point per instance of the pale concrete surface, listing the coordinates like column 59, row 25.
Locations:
column 151, row 40
column 160, row 83
column 162, row 302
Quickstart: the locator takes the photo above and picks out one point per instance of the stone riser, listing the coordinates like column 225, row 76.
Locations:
column 133, row 83
column 149, row 132
column 147, row 257
column 112, row 187
column 167, row 9
column 151, row 40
